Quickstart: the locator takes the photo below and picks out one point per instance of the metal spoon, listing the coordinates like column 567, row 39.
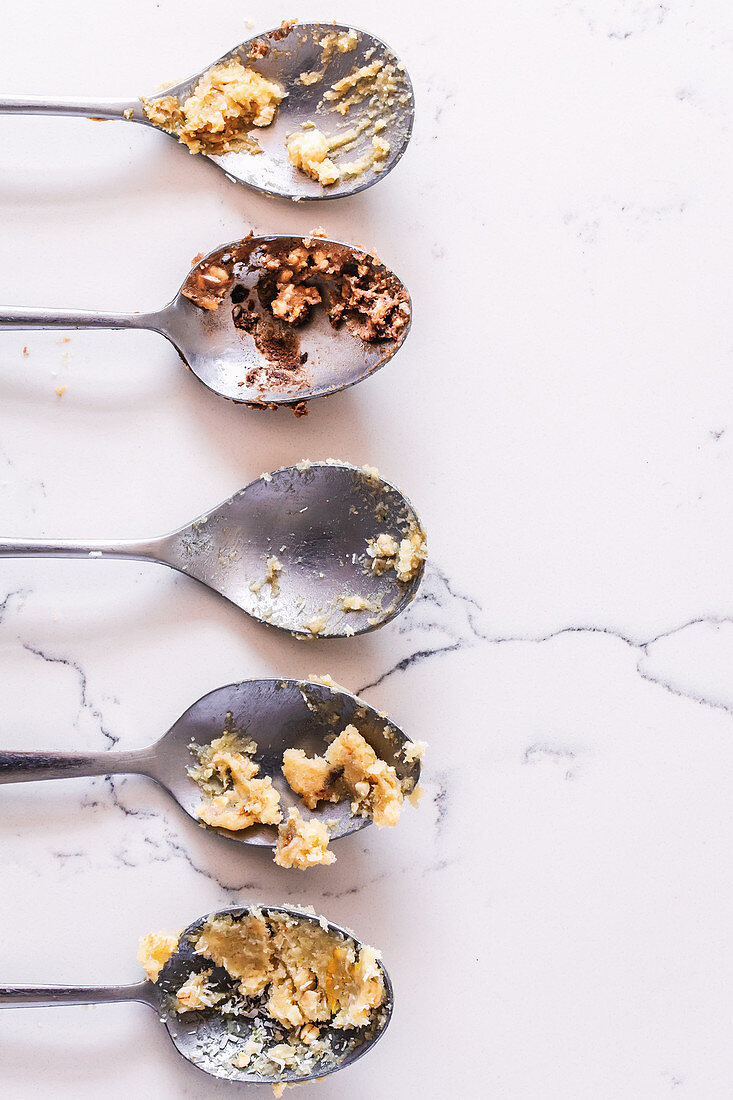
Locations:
column 276, row 714
column 240, row 350
column 209, row 1039
column 286, row 56
column 315, row 518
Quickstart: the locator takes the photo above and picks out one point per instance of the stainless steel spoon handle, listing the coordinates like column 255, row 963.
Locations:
column 127, row 110
column 26, row 767
column 147, row 550
column 18, row 317
column 46, row 996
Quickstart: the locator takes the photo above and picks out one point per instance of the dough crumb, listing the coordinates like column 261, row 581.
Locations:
column 414, row 750
column 349, row 768
column 154, row 951
column 196, row 993
column 415, row 795
column 326, row 680
column 405, row 557
column 412, row 553
column 356, row 603
column 317, row 624
column 337, row 42
column 302, row 843
column 308, row 151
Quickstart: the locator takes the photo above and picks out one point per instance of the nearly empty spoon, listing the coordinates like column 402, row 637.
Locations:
column 209, row 1039
column 283, row 56
column 275, row 714
column 315, row 520
column 221, row 322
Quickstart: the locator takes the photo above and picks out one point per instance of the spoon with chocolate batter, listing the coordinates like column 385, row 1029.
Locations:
column 321, row 549
column 341, row 87
column 274, row 714
column 218, row 1040
column 266, row 321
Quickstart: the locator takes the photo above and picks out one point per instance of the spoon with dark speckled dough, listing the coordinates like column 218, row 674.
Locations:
column 235, row 345
column 307, row 526
column 284, row 55
column 275, row 714
column 209, row 1039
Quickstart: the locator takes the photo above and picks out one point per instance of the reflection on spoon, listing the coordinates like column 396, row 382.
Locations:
column 321, row 549
column 269, row 320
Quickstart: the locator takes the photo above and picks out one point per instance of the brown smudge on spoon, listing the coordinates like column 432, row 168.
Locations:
column 294, row 277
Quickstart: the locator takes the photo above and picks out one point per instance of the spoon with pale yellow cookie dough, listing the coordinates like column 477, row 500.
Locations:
column 305, row 111
column 321, row 549
column 222, row 989
column 268, row 321
column 289, row 764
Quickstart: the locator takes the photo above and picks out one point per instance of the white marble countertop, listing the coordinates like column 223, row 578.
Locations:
column 557, row 915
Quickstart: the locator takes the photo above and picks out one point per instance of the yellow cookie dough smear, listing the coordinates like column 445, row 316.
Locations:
column 356, row 603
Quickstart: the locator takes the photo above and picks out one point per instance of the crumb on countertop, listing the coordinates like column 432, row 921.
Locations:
column 302, row 843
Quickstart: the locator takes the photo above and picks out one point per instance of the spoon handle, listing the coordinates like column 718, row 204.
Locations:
column 139, row 550
column 124, row 109
column 46, row 996
column 18, row 317
column 26, row 767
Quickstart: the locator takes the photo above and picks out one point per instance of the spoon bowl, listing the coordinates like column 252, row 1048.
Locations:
column 284, row 58
column 208, row 1039
column 242, row 352
column 200, row 1036
column 277, row 715
column 314, row 520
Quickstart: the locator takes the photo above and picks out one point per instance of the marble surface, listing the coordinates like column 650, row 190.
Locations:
column 557, row 914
